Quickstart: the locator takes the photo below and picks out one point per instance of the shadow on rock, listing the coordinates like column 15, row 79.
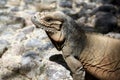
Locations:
column 58, row 58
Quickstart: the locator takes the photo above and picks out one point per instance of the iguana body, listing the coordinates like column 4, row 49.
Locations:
column 99, row 55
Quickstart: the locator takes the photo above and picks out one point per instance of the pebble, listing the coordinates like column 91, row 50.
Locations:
column 33, row 43
column 28, row 29
column 3, row 46
column 65, row 3
column 3, row 3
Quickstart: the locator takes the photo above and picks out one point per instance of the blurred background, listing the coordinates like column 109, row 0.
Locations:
column 25, row 51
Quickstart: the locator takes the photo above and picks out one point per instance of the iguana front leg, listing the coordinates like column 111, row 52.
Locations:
column 73, row 63
column 75, row 66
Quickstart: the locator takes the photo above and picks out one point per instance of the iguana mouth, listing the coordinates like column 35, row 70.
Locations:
column 39, row 25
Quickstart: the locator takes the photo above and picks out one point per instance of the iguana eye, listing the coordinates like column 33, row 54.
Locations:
column 48, row 19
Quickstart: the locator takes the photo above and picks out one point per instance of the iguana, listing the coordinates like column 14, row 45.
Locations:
column 99, row 55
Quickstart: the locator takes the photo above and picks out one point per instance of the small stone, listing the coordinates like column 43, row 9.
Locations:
column 4, row 42
column 3, row 3
column 14, row 2
column 45, row 46
column 2, row 50
column 3, row 47
column 29, row 1
column 28, row 29
column 33, row 43
column 48, row 1
column 20, row 36
column 113, row 35
column 65, row 3
column 30, row 60
column 5, row 17
column 17, row 23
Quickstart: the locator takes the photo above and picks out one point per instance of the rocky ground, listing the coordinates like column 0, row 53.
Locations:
column 26, row 53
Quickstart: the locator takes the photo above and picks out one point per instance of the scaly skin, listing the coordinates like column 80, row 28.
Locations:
column 99, row 55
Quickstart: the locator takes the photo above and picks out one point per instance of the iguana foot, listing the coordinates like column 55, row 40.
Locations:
column 79, row 74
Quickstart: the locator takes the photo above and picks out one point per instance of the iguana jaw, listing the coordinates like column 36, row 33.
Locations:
column 36, row 19
column 52, row 24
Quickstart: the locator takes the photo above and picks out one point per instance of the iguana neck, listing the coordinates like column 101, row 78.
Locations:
column 74, row 38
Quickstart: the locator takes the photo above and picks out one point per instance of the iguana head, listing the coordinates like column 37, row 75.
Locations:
column 57, row 26
column 52, row 24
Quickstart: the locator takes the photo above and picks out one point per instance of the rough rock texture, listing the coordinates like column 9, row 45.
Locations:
column 25, row 50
